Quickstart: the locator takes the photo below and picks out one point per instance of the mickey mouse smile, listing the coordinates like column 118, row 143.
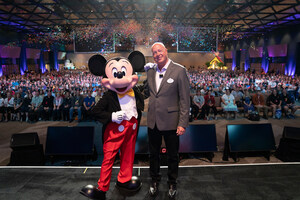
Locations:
column 121, row 89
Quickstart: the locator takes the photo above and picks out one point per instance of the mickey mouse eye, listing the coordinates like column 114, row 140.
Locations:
column 114, row 72
column 123, row 69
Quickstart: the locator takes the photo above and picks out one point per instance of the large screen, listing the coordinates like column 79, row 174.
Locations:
column 250, row 137
column 99, row 42
column 70, row 140
column 197, row 39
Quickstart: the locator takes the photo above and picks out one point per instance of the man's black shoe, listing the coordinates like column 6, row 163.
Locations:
column 93, row 192
column 71, row 120
column 153, row 190
column 172, row 191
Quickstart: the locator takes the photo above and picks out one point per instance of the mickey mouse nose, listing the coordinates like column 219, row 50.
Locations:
column 120, row 74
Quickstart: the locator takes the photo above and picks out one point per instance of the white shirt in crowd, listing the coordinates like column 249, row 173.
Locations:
column 257, row 82
column 9, row 103
column 273, row 84
column 1, row 102
column 58, row 101
column 228, row 98
column 94, row 94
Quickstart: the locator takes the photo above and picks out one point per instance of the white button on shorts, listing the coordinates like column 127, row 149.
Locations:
column 121, row 128
column 134, row 126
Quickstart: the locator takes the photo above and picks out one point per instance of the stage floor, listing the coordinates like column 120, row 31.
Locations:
column 230, row 182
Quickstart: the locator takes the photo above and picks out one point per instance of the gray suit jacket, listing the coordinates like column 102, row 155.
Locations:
column 169, row 107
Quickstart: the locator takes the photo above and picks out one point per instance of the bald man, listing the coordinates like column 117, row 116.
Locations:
column 168, row 90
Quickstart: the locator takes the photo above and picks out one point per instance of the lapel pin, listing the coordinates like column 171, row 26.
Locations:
column 170, row 80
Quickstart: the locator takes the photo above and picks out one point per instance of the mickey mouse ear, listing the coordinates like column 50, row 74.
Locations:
column 137, row 60
column 97, row 65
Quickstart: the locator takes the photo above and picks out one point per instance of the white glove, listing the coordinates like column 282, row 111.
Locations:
column 149, row 66
column 118, row 116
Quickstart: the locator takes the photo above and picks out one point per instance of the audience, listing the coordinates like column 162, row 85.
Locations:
column 77, row 102
column 18, row 101
column 274, row 101
column 198, row 101
column 247, row 101
column 67, row 102
column 48, row 105
column 57, row 95
column 287, row 103
column 259, row 103
column 249, row 91
column 2, row 108
column 57, row 106
column 26, row 105
column 9, row 105
column 209, row 105
column 88, row 103
column 228, row 104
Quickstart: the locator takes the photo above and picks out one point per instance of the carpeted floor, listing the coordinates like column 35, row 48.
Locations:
column 242, row 182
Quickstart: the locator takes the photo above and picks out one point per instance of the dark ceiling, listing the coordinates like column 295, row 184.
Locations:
column 228, row 15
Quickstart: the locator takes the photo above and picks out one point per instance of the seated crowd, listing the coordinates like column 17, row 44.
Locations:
column 228, row 92
column 52, row 96
column 64, row 95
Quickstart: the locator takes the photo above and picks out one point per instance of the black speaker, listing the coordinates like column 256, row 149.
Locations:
column 246, row 138
column 289, row 146
column 24, row 140
column 291, row 133
column 32, row 156
column 27, row 150
column 66, row 141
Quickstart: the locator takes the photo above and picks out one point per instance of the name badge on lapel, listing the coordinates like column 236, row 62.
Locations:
column 170, row 80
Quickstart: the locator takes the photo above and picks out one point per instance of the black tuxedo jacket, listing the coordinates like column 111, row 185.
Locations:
column 109, row 103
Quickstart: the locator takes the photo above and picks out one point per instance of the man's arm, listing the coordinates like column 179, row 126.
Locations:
column 144, row 89
column 184, row 101
column 203, row 102
column 93, row 103
column 72, row 102
column 41, row 102
column 84, row 104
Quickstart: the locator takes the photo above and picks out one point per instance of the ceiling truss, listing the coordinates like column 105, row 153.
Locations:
column 228, row 15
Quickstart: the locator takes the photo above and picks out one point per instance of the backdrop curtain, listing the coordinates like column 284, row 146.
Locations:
column 23, row 60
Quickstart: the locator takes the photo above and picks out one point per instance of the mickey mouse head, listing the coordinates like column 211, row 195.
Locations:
column 118, row 73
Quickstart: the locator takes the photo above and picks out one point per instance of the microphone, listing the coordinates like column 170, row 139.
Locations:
column 161, row 75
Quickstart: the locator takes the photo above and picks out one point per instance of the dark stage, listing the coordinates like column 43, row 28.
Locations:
column 232, row 182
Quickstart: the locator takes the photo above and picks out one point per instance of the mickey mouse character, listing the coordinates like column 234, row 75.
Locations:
column 120, row 110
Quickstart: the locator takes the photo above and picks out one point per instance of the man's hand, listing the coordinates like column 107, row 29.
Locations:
column 180, row 130
column 149, row 66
